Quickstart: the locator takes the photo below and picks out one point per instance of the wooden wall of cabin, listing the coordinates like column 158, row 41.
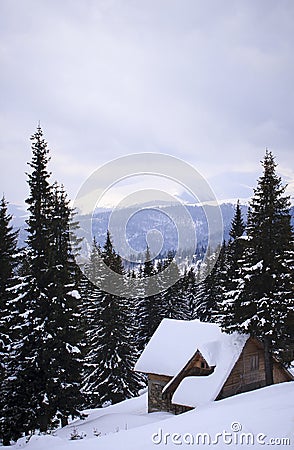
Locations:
column 280, row 375
column 248, row 373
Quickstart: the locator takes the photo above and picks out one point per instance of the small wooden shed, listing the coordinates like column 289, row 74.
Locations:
column 190, row 363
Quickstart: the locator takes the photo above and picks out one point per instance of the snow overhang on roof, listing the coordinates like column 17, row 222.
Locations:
column 198, row 390
column 176, row 341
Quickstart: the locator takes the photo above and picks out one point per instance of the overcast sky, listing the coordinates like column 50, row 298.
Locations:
column 210, row 82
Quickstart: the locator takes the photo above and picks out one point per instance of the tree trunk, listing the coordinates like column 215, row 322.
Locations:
column 64, row 421
column 268, row 362
column 44, row 423
column 5, row 440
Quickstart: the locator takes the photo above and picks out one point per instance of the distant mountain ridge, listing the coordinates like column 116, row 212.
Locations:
column 145, row 219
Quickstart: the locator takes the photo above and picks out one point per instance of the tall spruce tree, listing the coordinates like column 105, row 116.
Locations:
column 62, row 360
column 149, row 308
column 262, row 300
column 89, row 288
column 112, row 354
column 8, row 282
column 39, row 203
column 43, row 373
column 26, row 399
column 92, row 309
column 236, row 244
column 173, row 301
column 211, row 291
column 189, row 287
column 227, row 310
column 237, row 225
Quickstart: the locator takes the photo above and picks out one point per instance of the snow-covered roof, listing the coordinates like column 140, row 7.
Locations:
column 175, row 342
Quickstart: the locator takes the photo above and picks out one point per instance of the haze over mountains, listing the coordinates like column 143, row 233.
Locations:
column 144, row 220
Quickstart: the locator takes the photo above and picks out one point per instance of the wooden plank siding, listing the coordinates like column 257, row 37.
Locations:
column 248, row 373
column 244, row 377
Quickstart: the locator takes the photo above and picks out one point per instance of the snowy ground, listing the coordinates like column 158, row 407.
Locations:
column 250, row 420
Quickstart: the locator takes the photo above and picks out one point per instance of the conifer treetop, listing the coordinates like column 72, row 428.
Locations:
column 238, row 226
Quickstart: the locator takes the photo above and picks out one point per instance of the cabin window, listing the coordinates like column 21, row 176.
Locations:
column 254, row 362
column 203, row 365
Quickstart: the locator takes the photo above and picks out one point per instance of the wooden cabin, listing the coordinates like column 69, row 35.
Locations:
column 190, row 363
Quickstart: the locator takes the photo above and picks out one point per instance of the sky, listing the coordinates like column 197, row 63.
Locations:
column 210, row 83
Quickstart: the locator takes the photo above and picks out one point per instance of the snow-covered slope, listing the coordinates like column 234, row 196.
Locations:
column 251, row 420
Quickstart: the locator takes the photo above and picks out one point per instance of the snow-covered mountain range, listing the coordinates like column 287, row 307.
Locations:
column 144, row 219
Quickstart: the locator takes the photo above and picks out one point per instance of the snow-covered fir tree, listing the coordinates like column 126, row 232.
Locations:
column 89, row 287
column 43, row 382
column 188, row 289
column 8, row 282
column 235, row 247
column 262, row 300
column 25, row 385
column 91, row 310
column 237, row 225
column 173, row 301
column 149, row 310
column 63, row 328
column 227, row 309
column 112, row 353
column 211, row 289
